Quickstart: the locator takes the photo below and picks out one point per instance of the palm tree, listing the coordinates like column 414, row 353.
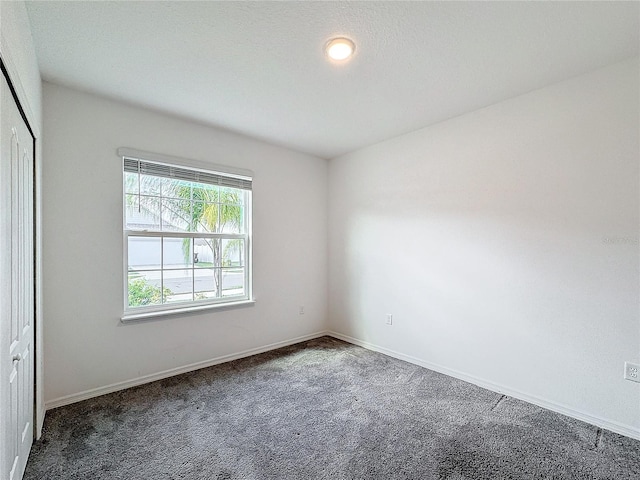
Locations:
column 193, row 207
column 216, row 209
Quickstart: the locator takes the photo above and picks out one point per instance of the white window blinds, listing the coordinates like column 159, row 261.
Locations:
column 156, row 169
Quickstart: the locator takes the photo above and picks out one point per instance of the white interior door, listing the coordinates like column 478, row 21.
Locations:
column 17, row 288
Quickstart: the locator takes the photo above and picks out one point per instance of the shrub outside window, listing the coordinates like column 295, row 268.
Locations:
column 187, row 237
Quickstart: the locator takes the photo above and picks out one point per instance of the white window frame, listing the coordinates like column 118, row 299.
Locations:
column 145, row 312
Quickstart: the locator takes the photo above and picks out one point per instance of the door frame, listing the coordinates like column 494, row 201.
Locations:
column 38, row 415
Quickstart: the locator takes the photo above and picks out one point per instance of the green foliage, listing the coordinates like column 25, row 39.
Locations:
column 142, row 293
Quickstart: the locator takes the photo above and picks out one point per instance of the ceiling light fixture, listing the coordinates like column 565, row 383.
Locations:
column 340, row 49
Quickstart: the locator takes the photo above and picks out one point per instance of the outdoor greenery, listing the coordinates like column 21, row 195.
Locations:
column 142, row 293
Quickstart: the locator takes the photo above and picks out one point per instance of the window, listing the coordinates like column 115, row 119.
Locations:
column 187, row 238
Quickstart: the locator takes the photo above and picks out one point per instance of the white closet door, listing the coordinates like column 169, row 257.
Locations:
column 16, row 288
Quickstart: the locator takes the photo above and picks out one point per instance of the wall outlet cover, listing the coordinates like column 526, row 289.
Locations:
column 632, row 372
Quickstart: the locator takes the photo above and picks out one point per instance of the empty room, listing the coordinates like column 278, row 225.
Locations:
column 319, row 240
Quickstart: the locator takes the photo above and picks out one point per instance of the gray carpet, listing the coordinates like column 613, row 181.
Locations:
column 322, row 409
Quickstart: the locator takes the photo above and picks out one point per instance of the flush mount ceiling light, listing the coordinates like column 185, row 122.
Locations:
column 340, row 49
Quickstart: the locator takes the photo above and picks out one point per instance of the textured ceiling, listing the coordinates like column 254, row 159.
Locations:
column 259, row 68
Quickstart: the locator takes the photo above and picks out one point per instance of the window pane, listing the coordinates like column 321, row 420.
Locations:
column 232, row 252
column 142, row 212
column 131, row 183
column 144, row 289
column 205, row 283
column 180, row 284
column 172, row 188
column 131, row 211
column 205, row 193
column 231, row 196
column 232, row 281
column 177, row 252
column 176, row 215
column 144, row 253
column 206, row 252
column 231, row 219
column 150, row 185
column 205, row 217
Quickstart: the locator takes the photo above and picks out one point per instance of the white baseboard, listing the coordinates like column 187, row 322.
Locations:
column 134, row 382
column 549, row 405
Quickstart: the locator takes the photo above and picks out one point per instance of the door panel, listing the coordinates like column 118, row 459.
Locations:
column 16, row 288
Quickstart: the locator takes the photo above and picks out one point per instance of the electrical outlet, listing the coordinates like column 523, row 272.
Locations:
column 301, row 310
column 632, row 372
column 389, row 319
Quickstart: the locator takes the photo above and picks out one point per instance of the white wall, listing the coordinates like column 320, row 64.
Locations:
column 505, row 244
column 18, row 54
column 86, row 345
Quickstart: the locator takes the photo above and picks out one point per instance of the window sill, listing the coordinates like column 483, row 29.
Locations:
column 131, row 317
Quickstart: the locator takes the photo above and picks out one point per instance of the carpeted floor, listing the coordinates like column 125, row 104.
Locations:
column 322, row 409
